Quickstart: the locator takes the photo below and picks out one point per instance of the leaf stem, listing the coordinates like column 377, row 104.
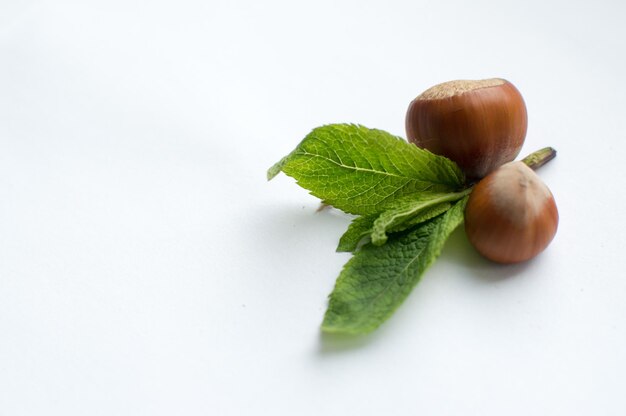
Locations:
column 537, row 159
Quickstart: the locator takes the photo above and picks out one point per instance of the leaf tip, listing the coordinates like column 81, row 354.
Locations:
column 276, row 168
column 271, row 173
column 331, row 329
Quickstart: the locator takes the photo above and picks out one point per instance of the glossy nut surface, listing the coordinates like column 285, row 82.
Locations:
column 478, row 124
column 511, row 215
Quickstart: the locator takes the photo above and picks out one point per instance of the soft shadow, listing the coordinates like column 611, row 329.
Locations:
column 335, row 343
column 291, row 224
column 459, row 250
column 331, row 344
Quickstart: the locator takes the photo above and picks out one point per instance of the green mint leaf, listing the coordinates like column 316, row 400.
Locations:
column 401, row 215
column 361, row 170
column 377, row 279
column 421, row 217
column 414, row 209
column 358, row 230
column 381, row 230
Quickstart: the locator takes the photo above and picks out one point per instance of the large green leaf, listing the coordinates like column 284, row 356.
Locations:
column 377, row 279
column 362, row 171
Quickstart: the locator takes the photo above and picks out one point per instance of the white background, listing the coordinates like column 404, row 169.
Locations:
column 148, row 268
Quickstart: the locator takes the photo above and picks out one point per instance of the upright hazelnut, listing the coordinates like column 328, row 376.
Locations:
column 480, row 125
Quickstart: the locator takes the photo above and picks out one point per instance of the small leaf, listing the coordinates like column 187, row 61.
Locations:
column 361, row 170
column 401, row 215
column 421, row 217
column 377, row 279
column 358, row 230
column 411, row 210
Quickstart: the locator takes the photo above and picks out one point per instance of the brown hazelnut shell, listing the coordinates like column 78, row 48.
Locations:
column 480, row 125
column 511, row 215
